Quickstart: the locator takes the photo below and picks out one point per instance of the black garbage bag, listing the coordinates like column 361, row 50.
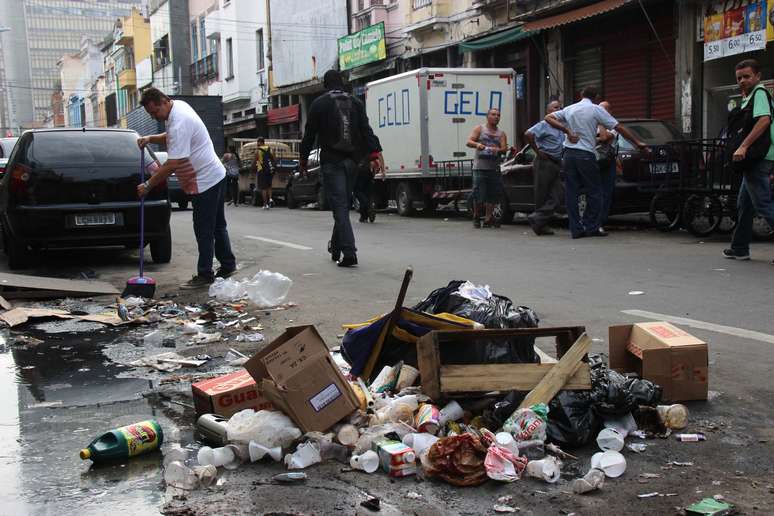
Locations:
column 572, row 421
column 616, row 395
column 644, row 392
column 498, row 312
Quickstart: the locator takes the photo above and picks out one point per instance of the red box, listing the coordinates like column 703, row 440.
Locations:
column 227, row 395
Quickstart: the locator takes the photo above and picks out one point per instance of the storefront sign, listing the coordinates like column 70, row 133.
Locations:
column 366, row 46
column 731, row 28
column 283, row 115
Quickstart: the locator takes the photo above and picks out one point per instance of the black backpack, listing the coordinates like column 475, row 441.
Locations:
column 342, row 139
column 740, row 124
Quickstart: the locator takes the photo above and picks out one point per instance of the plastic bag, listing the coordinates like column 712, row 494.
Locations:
column 501, row 464
column 571, row 421
column 615, row 395
column 458, row 460
column 466, row 300
column 527, row 424
column 266, row 427
column 265, row 289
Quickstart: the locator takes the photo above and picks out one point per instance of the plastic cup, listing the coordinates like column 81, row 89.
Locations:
column 419, row 442
column 259, row 451
column 223, row 457
column 451, row 412
column 612, row 463
column 205, row 456
column 406, row 378
column 547, row 469
column 175, row 453
column 610, row 439
column 368, row 462
column 595, row 460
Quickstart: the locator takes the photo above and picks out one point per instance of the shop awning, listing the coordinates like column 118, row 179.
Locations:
column 497, row 39
column 574, row 15
column 369, row 70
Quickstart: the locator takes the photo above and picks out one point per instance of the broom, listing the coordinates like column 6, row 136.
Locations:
column 141, row 286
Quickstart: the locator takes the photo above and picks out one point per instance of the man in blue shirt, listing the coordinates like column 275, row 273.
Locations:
column 579, row 164
column 547, row 142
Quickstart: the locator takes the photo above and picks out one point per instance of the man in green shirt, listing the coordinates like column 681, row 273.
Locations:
column 755, row 192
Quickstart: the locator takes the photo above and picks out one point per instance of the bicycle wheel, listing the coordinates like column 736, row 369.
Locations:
column 728, row 215
column 665, row 211
column 701, row 214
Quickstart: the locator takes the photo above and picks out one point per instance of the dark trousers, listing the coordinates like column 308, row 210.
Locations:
column 607, row 177
column 754, row 196
column 232, row 189
column 364, row 182
column 548, row 192
column 581, row 173
column 209, row 222
column 338, row 182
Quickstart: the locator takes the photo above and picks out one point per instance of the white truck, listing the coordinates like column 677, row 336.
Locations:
column 423, row 119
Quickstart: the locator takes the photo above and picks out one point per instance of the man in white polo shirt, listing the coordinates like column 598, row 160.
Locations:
column 192, row 158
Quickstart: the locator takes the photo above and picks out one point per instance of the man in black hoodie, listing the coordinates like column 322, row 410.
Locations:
column 338, row 121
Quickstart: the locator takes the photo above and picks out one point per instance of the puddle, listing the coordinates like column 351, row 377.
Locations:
column 60, row 394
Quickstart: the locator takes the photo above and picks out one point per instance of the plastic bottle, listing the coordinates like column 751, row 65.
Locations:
column 127, row 441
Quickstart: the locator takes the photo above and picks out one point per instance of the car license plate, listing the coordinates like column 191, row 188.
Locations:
column 664, row 168
column 95, row 219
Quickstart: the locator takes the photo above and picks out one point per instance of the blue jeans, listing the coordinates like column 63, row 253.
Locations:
column 338, row 182
column 754, row 196
column 581, row 173
column 607, row 174
column 209, row 222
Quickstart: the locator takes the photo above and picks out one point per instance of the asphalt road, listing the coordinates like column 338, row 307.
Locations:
column 567, row 282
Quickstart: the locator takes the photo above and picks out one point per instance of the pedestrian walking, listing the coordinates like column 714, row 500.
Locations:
column 363, row 191
column 231, row 162
column 607, row 151
column 490, row 143
column 751, row 138
column 338, row 122
column 192, row 157
column 547, row 141
column 579, row 122
column 263, row 167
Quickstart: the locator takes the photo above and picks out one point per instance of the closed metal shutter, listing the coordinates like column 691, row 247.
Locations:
column 587, row 70
column 662, row 82
column 626, row 85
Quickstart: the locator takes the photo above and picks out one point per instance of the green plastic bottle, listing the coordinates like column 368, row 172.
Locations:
column 127, row 441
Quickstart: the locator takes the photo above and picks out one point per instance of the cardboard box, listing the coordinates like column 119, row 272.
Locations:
column 297, row 374
column 226, row 395
column 664, row 354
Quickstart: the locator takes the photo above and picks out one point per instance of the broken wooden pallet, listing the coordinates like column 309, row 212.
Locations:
column 442, row 380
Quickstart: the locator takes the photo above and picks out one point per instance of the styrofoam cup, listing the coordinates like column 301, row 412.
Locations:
column 612, row 463
column 610, row 439
column 259, row 451
column 451, row 412
column 547, row 469
column 368, row 461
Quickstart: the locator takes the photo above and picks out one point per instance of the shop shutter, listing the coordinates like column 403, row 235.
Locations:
column 626, row 71
column 662, row 82
column 587, row 70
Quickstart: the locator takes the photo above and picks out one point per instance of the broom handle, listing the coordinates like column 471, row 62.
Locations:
column 142, row 214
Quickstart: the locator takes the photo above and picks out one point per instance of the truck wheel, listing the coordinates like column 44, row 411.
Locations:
column 290, row 199
column 322, row 201
column 18, row 256
column 404, row 200
column 161, row 249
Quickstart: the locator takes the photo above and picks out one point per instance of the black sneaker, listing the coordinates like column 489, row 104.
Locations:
column 225, row 273
column 335, row 253
column 598, row 233
column 363, row 218
column 347, row 261
column 197, row 282
column 735, row 255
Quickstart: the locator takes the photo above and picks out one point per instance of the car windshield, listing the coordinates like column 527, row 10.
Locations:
column 81, row 147
column 651, row 132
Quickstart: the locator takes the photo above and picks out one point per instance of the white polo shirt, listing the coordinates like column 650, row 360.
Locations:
column 188, row 140
column 583, row 118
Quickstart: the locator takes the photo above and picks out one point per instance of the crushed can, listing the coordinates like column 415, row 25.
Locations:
column 212, row 429
column 395, row 458
column 428, row 418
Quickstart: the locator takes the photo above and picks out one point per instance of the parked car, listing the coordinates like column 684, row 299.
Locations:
column 637, row 175
column 302, row 190
column 78, row 188
column 6, row 146
column 176, row 193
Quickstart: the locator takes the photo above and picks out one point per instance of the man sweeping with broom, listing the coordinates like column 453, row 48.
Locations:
column 191, row 156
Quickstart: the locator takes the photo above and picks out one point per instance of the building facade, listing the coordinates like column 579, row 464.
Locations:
column 77, row 72
column 170, row 33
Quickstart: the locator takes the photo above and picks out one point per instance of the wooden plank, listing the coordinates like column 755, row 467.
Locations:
column 71, row 287
column 429, row 365
column 559, row 374
column 504, row 377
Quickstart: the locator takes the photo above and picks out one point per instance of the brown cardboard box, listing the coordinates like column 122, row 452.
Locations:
column 664, row 354
column 226, row 395
column 298, row 375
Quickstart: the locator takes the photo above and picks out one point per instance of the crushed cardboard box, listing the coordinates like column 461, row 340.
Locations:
column 228, row 394
column 298, row 375
column 664, row 354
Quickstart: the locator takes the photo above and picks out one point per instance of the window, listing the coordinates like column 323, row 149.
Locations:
column 418, row 4
column 202, row 37
column 194, row 42
column 229, row 59
column 250, row 112
column 259, row 48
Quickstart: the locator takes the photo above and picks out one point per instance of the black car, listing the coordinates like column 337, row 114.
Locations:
column 302, row 190
column 77, row 188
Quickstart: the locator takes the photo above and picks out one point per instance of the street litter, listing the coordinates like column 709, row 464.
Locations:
column 636, row 292
column 709, row 507
column 266, row 289
column 591, row 481
column 169, row 361
column 250, row 337
column 504, row 508
column 691, row 438
column 125, row 442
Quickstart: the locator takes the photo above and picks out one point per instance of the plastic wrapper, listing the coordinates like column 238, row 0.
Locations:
column 527, row 424
column 571, row 421
column 463, row 299
column 265, row 289
column 458, row 460
column 503, row 465
column 266, row 427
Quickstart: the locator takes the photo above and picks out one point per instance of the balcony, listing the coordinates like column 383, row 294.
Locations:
column 127, row 79
column 212, row 24
column 205, row 69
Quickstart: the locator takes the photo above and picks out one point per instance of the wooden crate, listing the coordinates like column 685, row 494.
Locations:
column 440, row 381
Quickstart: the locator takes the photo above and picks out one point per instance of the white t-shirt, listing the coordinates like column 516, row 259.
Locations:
column 188, row 139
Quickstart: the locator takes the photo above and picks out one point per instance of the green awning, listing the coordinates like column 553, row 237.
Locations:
column 494, row 40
